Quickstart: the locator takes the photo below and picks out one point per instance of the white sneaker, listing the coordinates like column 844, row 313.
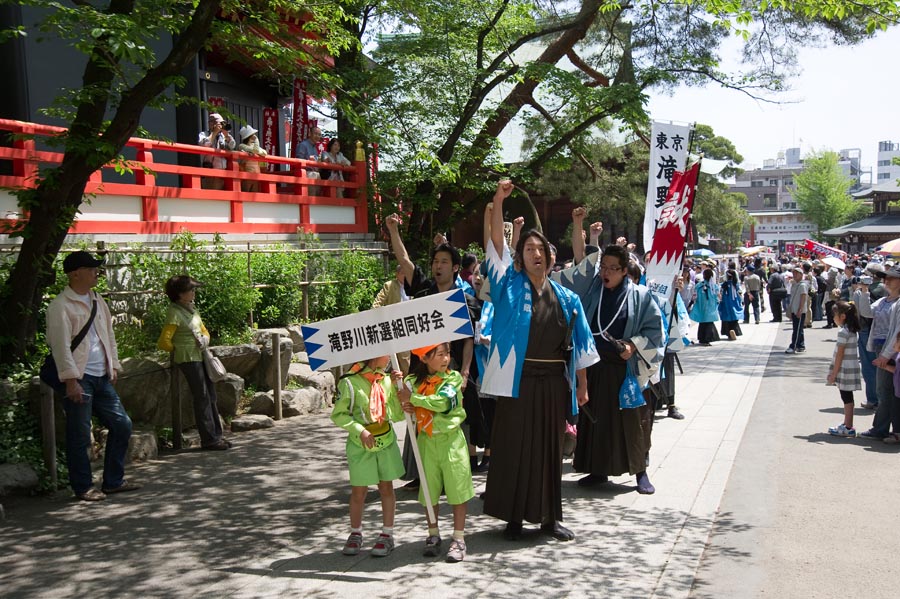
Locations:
column 789, row 350
column 842, row 431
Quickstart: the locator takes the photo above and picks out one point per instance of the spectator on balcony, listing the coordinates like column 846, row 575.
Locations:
column 332, row 155
column 219, row 138
column 250, row 145
column 308, row 149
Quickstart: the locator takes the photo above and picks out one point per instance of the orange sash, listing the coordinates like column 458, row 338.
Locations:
column 377, row 397
column 425, row 417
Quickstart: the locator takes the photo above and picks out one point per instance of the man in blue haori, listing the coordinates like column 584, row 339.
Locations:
column 541, row 345
column 628, row 330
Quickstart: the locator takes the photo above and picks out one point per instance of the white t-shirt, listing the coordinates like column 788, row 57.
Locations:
column 96, row 364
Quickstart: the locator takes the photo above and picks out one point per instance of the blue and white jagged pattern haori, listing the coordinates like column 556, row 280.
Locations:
column 502, row 378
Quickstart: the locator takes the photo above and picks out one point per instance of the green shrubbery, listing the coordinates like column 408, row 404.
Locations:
column 344, row 292
column 269, row 286
column 281, row 302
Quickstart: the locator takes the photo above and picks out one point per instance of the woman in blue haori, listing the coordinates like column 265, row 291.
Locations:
column 731, row 306
column 628, row 329
column 540, row 341
column 706, row 308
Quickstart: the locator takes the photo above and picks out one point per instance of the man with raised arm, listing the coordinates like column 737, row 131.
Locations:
column 445, row 264
column 541, row 345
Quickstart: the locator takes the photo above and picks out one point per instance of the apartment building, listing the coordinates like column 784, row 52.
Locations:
column 770, row 201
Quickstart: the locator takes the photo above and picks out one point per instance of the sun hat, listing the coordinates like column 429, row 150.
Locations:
column 247, row 131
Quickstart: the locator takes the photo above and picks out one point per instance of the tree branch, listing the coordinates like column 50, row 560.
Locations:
column 513, row 102
column 367, row 12
column 158, row 78
column 445, row 153
column 483, row 33
column 744, row 89
column 535, row 164
column 598, row 77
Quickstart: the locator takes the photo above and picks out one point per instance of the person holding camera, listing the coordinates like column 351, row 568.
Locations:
column 83, row 346
column 863, row 300
column 218, row 138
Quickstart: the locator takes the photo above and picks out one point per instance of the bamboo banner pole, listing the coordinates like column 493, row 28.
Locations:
column 411, row 431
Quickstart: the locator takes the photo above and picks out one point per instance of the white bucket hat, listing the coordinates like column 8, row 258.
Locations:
column 247, row 131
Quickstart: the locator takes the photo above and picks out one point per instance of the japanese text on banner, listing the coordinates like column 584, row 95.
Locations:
column 668, row 153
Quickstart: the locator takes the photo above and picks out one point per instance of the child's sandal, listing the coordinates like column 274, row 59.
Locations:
column 353, row 544
column 383, row 546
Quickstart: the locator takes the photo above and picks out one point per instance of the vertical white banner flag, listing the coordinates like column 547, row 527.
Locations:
column 668, row 153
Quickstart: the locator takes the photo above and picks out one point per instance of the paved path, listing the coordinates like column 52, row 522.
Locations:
column 268, row 518
column 805, row 514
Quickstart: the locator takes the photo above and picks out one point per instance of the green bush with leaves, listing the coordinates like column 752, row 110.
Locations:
column 345, row 292
column 20, row 439
column 225, row 300
column 280, row 304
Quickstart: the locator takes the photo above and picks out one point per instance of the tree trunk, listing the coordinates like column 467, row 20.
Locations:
column 52, row 206
column 33, row 272
column 524, row 91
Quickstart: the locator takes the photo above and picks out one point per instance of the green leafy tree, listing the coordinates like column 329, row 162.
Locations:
column 123, row 74
column 611, row 184
column 466, row 70
column 821, row 191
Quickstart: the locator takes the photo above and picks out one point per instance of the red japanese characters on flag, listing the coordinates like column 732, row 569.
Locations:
column 664, row 262
column 300, row 116
column 824, row 250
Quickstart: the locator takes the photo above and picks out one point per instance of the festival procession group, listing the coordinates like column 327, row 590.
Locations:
column 520, row 359
column 548, row 355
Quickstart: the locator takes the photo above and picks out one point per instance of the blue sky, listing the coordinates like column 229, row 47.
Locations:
column 845, row 97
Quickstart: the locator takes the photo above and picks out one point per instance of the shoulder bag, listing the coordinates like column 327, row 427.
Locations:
column 48, row 373
column 215, row 370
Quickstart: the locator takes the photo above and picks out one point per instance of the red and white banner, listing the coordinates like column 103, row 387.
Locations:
column 300, row 116
column 790, row 248
column 270, row 131
column 668, row 155
column 824, row 250
column 664, row 263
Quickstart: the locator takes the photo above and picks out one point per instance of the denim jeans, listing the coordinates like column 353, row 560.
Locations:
column 884, row 386
column 755, row 303
column 868, row 369
column 797, row 340
column 100, row 400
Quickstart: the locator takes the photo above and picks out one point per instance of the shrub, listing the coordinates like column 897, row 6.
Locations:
column 279, row 305
column 345, row 293
column 226, row 299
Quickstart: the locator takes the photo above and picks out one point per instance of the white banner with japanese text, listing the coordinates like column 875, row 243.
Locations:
column 387, row 330
column 667, row 253
column 668, row 153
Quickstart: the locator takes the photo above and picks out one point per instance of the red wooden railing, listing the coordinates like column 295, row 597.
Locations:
column 127, row 207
